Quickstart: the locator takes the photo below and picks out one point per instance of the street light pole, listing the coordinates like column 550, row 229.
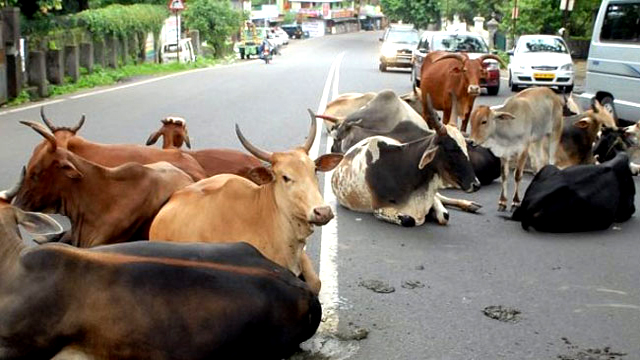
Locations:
column 178, row 36
column 515, row 21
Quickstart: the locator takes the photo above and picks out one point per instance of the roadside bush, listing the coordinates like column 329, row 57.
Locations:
column 216, row 20
column 123, row 21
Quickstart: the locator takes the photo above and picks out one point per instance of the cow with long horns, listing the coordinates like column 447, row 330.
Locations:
column 112, row 155
column 398, row 182
column 276, row 217
column 105, row 205
column 443, row 72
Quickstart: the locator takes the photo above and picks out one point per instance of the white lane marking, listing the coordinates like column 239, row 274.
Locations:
column 314, row 152
column 329, row 297
column 615, row 306
column 31, row 106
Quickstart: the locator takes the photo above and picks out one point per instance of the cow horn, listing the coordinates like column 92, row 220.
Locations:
column 329, row 118
column 42, row 131
column 260, row 154
column 460, row 57
column 8, row 195
column 434, row 119
column 312, row 132
column 453, row 118
column 46, row 121
column 494, row 57
column 75, row 129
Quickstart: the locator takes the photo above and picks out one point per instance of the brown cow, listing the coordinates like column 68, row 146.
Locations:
column 277, row 218
column 105, row 205
column 145, row 300
column 213, row 161
column 443, row 72
column 112, row 155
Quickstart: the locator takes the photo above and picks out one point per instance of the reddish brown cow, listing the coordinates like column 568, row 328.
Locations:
column 105, row 205
column 443, row 72
column 213, row 161
column 112, row 155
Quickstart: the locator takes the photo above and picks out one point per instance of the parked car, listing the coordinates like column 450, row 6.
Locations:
column 398, row 41
column 282, row 34
column 169, row 52
column 541, row 60
column 613, row 66
column 295, row 31
column 454, row 41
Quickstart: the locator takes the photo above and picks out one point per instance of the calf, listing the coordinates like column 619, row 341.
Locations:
column 398, row 182
column 105, row 205
column 145, row 300
column 117, row 154
column 213, row 161
column 579, row 133
column 532, row 117
column 579, row 198
column 276, row 217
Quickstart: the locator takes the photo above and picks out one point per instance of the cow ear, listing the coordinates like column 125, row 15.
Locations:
column 582, row 123
column 153, row 138
column 328, row 162
column 38, row 224
column 70, row 170
column 261, row 175
column 427, row 157
column 501, row 115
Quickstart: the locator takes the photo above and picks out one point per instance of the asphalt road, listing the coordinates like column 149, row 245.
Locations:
column 576, row 293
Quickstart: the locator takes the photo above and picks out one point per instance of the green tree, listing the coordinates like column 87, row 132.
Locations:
column 215, row 19
column 535, row 17
column 582, row 17
column 420, row 13
column 470, row 9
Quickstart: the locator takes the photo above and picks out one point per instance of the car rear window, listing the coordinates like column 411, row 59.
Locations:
column 458, row 43
column 621, row 23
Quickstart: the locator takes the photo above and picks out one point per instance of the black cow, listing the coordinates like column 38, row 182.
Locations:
column 145, row 300
column 398, row 182
column 579, row 198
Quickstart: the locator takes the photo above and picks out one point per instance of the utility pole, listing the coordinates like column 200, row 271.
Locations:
column 515, row 21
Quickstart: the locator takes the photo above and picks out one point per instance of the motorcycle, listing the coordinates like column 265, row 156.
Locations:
column 266, row 54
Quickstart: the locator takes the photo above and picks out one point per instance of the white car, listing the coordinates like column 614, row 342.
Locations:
column 541, row 60
column 283, row 35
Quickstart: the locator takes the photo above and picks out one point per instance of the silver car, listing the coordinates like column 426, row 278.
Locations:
column 613, row 67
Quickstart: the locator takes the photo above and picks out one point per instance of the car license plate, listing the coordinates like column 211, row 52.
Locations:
column 543, row 76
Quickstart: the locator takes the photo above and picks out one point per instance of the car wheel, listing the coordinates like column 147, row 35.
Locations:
column 493, row 90
column 242, row 54
column 607, row 103
column 513, row 86
column 383, row 67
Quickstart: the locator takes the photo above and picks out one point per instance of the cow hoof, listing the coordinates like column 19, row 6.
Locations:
column 407, row 221
column 473, row 207
column 502, row 207
column 514, row 206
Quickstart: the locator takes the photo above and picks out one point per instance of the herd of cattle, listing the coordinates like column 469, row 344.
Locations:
column 225, row 259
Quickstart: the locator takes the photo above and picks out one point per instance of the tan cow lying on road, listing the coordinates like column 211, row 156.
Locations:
column 105, row 205
column 112, row 155
column 277, row 217
column 531, row 117
column 213, row 161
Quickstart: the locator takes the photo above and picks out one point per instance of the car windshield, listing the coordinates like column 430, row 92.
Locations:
column 543, row 45
column 458, row 43
column 403, row 37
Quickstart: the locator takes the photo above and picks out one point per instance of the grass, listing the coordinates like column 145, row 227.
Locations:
column 108, row 76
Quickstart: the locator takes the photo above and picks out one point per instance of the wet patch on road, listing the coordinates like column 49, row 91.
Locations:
column 377, row 286
column 339, row 346
column 502, row 313
column 604, row 353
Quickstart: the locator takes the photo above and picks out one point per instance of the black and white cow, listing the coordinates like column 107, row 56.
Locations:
column 579, row 198
column 613, row 141
column 398, row 182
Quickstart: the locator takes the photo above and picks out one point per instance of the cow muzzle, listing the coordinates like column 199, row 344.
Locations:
column 473, row 90
column 321, row 215
column 475, row 186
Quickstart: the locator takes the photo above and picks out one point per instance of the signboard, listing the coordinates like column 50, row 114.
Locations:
column 566, row 5
column 170, row 30
column 315, row 28
column 515, row 12
column 326, row 10
column 176, row 5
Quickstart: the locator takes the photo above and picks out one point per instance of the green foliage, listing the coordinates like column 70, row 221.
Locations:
column 123, row 21
column 215, row 19
column 503, row 55
column 467, row 10
column 289, row 18
column 535, row 17
column 420, row 13
column 22, row 98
